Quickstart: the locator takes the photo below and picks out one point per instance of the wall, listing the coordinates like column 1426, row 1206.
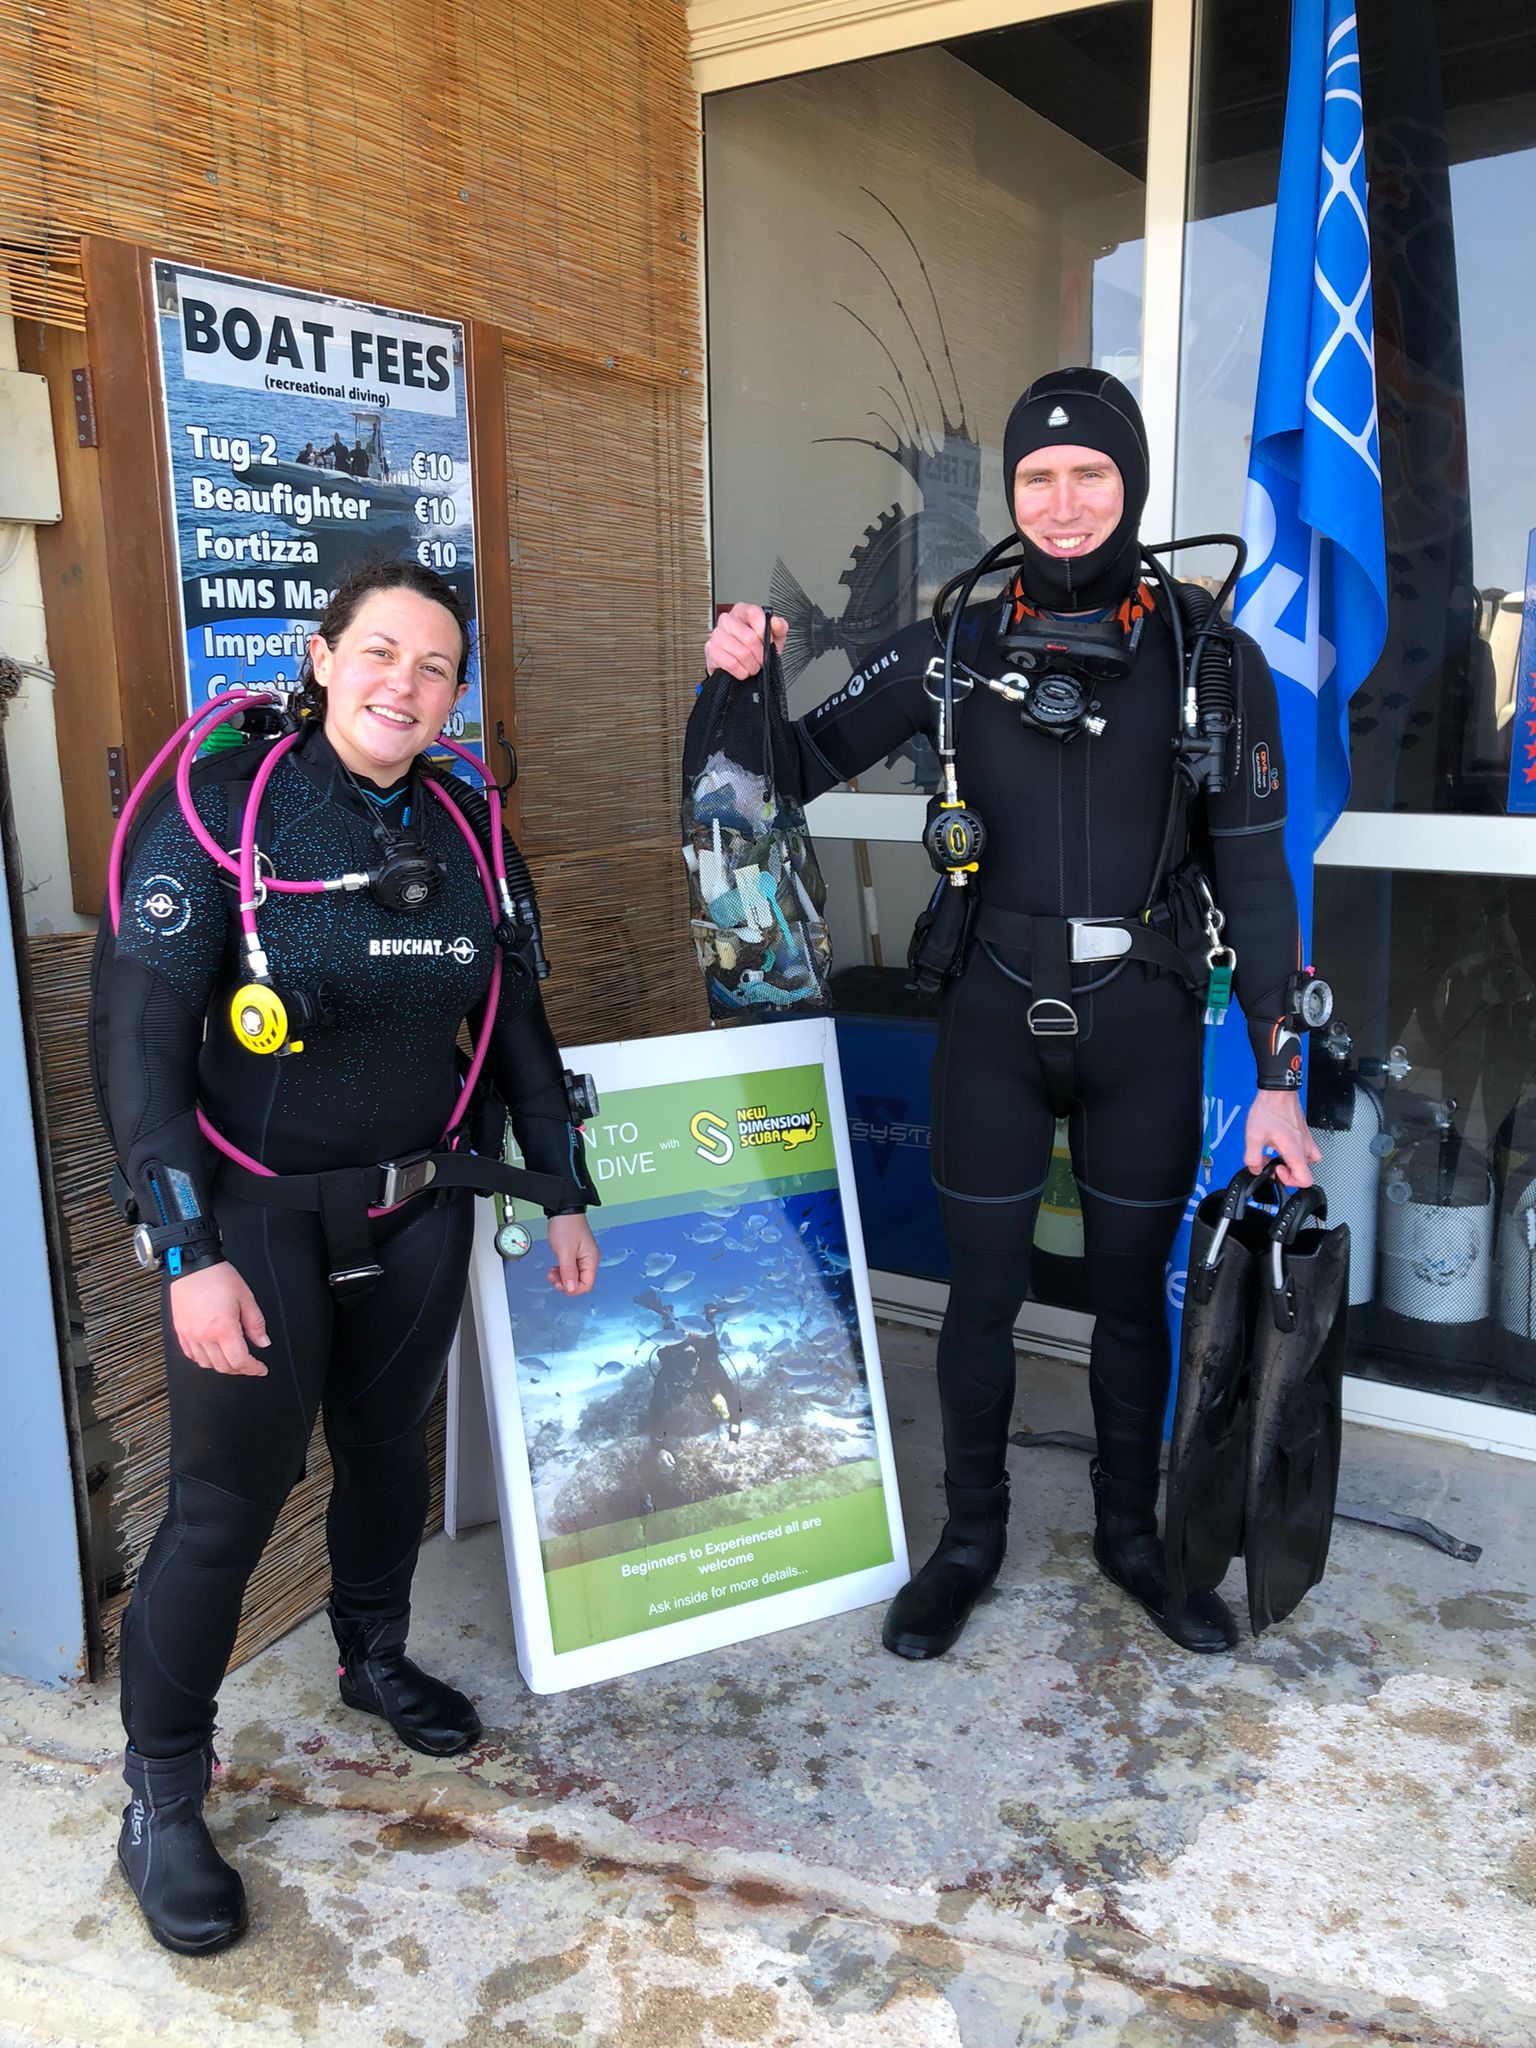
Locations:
column 533, row 172
column 41, row 1615
column 29, row 726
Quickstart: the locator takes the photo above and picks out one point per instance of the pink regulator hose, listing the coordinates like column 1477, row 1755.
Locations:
column 215, row 713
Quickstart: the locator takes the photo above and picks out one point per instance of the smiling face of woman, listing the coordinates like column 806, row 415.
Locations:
column 390, row 681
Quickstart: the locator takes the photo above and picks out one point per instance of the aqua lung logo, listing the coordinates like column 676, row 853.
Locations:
column 164, row 906
column 462, row 949
column 854, row 687
column 1266, row 777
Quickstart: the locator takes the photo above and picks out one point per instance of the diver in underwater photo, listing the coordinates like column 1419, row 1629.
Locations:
column 1119, row 751
column 692, row 1394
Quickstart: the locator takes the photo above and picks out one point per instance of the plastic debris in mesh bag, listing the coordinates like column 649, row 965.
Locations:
column 755, row 887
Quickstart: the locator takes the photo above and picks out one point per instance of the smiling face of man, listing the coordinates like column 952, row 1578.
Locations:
column 1067, row 500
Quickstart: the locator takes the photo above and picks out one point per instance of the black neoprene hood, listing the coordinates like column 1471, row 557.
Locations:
column 1081, row 408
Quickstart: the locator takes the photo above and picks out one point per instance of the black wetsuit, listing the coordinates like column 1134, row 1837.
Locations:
column 1074, row 830
column 376, row 1081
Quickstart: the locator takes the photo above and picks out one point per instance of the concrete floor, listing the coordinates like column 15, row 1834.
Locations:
column 1066, row 1831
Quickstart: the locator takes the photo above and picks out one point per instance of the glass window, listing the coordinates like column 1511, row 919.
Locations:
column 1424, row 1101
column 1450, row 103
column 894, row 249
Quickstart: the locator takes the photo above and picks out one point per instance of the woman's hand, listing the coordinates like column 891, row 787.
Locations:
column 215, row 1317
column 736, row 644
column 576, row 1254
column 1275, row 1120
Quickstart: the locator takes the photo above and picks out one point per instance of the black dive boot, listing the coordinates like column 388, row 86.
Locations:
column 927, row 1615
column 193, row 1901
column 1127, row 1549
column 377, row 1677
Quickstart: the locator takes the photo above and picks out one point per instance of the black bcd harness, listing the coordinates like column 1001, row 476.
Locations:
column 1179, row 929
column 343, row 1196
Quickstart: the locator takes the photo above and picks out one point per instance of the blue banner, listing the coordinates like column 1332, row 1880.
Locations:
column 1522, row 739
column 1314, row 591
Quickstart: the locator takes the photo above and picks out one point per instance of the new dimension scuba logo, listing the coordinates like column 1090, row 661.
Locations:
column 712, row 1134
column 757, row 1127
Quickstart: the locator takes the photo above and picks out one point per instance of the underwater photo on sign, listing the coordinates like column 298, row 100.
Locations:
column 701, row 1430
column 721, row 1356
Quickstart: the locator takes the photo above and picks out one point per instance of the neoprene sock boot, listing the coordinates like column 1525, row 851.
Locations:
column 1128, row 1550
column 377, row 1677
column 193, row 1901
column 927, row 1615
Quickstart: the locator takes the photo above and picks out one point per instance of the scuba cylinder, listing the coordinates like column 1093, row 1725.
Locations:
column 1058, row 1273
column 1436, row 1224
column 1514, row 1274
column 1515, row 1280
column 1348, row 1122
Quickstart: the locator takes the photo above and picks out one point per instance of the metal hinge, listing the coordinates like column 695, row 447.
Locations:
column 117, row 779
column 85, row 408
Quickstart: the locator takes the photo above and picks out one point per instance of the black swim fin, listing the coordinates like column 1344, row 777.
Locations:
column 1297, row 1421
column 1208, row 1450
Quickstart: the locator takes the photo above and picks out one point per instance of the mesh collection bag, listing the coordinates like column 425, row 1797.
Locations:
column 756, row 891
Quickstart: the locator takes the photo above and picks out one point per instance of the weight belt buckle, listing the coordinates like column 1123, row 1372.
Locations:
column 1061, row 1025
column 1097, row 938
column 406, row 1177
column 351, row 1276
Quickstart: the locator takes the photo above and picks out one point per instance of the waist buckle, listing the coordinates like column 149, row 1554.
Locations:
column 1097, row 938
column 406, row 1177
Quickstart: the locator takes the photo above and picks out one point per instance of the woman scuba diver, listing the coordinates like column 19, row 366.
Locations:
column 1074, row 936
column 286, row 1104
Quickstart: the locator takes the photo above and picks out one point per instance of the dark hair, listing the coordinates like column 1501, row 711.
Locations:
column 360, row 583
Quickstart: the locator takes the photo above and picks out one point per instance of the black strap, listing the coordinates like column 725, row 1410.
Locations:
column 1016, row 930
column 181, row 1236
column 448, row 1170
column 1051, row 1018
column 343, row 1197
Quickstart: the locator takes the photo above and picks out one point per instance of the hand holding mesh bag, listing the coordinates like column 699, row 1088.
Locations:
column 755, row 888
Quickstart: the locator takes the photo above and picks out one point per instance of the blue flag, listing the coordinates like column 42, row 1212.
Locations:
column 1314, row 594
column 1314, row 591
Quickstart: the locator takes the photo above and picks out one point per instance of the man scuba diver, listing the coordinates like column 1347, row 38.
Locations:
column 1073, row 960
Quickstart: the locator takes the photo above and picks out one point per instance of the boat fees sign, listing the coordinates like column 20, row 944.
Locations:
column 304, row 434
